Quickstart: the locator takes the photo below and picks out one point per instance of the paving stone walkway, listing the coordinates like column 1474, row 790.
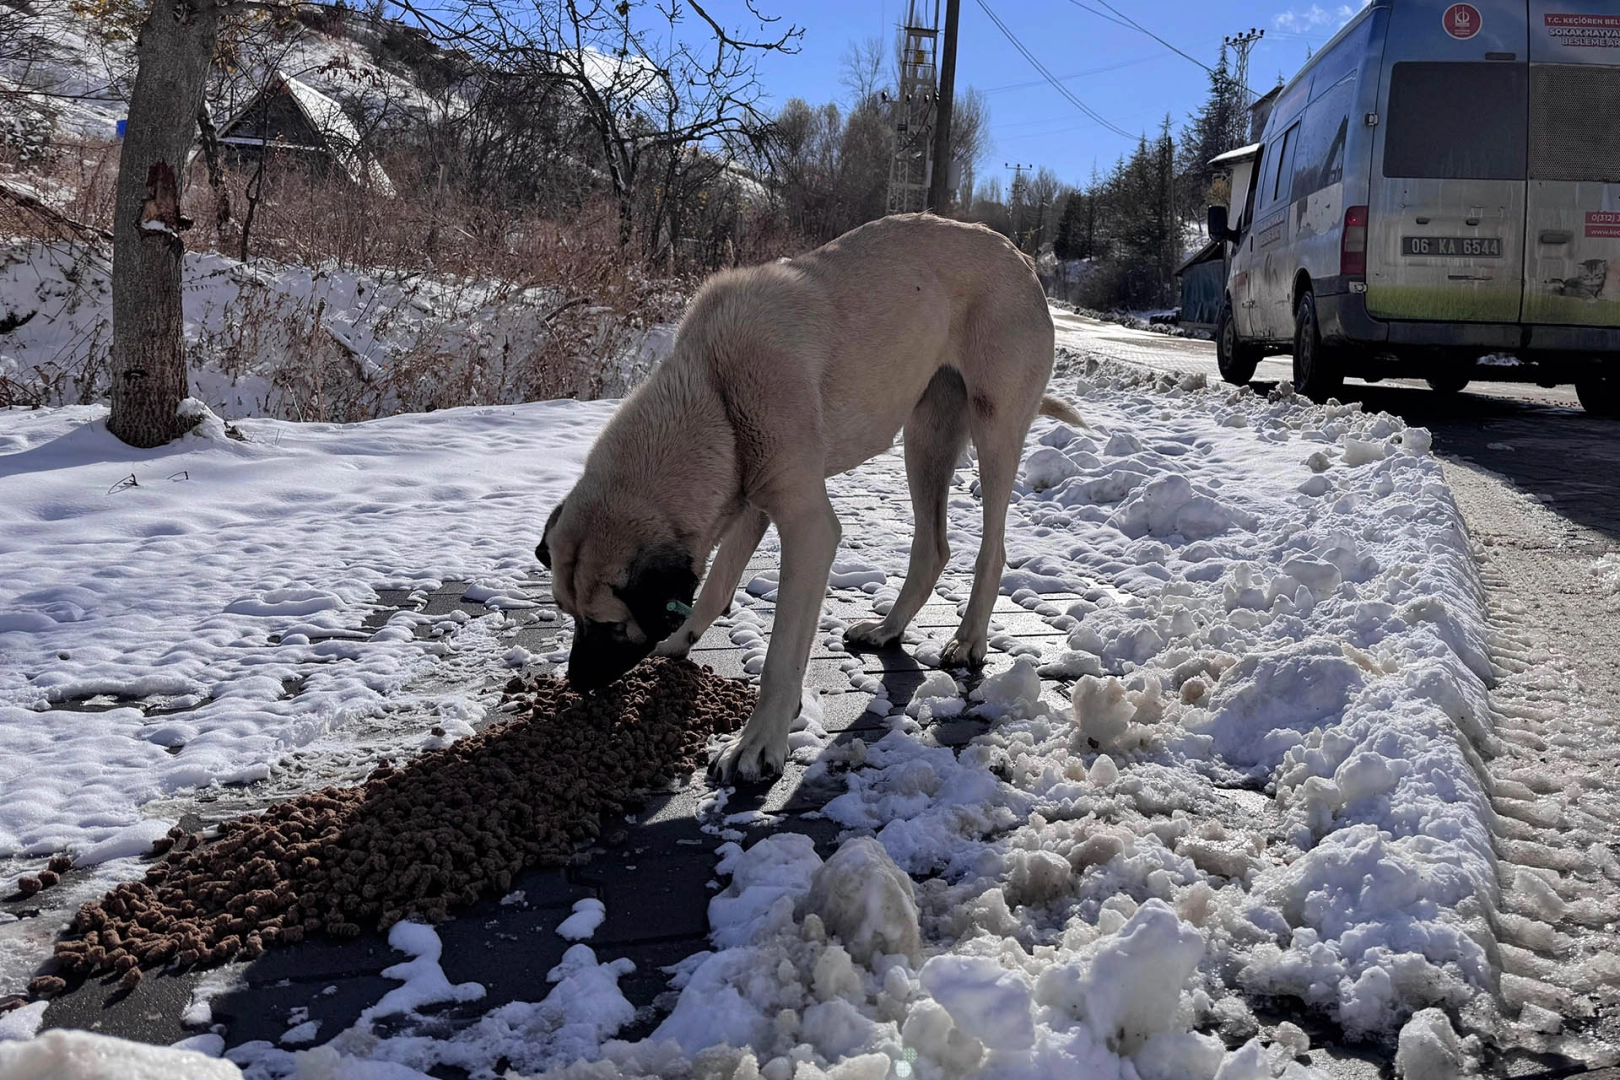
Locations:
column 655, row 875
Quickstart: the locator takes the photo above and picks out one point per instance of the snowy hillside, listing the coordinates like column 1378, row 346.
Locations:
column 81, row 70
column 266, row 339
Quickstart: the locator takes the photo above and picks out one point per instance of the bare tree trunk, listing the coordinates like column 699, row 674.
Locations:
column 175, row 47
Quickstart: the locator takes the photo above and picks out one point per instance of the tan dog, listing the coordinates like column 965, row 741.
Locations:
column 781, row 376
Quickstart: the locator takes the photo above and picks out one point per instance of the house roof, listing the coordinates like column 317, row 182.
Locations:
column 1233, row 157
column 337, row 131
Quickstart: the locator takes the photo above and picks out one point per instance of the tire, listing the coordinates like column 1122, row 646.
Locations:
column 1318, row 370
column 1236, row 359
column 1449, row 384
column 1600, row 395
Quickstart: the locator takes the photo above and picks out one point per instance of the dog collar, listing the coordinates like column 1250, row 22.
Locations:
column 683, row 610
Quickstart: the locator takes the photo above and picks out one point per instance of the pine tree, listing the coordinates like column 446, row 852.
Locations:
column 1073, row 239
column 1221, row 125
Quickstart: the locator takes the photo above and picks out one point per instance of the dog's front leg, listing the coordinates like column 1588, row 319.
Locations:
column 810, row 534
column 736, row 548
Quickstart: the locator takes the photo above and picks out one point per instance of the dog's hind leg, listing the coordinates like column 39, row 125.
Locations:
column 720, row 586
column 1000, row 445
column 936, row 434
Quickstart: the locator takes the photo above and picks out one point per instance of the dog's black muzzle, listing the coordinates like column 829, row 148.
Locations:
column 600, row 656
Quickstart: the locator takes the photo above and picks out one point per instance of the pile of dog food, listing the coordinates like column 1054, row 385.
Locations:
column 414, row 842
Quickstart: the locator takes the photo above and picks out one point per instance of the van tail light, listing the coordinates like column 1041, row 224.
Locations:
column 1353, row 248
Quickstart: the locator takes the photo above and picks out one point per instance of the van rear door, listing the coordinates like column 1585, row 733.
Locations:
column 1447, row 198
column 1573, row 274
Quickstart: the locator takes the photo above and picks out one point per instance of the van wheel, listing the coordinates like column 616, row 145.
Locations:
column 1600, row 395
column 1318, row 370
column 1236, row 359
column 1448, row 384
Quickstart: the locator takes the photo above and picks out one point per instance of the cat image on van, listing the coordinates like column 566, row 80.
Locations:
column 1592, row 283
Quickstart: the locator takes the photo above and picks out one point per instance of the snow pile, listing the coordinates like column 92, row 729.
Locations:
column 1257, row 595
column 583, row 1009
column 82, row 1055
column 588, row 915
column 824, row 983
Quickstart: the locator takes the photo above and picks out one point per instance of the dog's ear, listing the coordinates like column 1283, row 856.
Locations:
column 660, row 590
column 543, row 550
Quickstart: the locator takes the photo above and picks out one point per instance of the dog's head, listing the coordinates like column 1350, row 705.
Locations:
column 624, row 576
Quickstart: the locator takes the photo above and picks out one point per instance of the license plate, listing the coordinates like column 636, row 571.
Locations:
column 1453, row 247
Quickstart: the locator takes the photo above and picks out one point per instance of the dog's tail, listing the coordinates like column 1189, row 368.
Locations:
column 1058, row 409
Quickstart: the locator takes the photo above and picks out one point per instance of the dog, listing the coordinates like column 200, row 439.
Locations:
column 782, row 375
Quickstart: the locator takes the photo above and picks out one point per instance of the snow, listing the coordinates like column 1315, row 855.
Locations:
column 300, row 342
column 588, row 915
column 866, row 901
column 271, row 596
column 22, row 1023
column 82, row 1055
column 424, row 982
column 1262, row 785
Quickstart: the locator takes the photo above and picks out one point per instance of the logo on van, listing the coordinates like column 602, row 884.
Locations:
column 1462, row 21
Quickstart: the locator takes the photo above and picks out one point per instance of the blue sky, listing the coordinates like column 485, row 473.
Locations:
column 1127, row 77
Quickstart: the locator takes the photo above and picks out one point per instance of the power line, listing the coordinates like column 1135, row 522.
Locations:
column 1048, row 76
column 1130, row 23
column 1066, row 78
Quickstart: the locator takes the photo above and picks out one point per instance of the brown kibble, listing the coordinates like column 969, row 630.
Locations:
column 131, row 979
column 421, row 839
column 45, row 986
column 28, row 886
column 61, row 864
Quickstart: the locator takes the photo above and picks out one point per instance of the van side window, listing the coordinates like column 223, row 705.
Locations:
column 1280, row 180
column 1459, row 121
column 1575, row 143
column 1324, row 140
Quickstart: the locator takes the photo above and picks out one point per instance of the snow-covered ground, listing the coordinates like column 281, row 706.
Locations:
column 1265, row 786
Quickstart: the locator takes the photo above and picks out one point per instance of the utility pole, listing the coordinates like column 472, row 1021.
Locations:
column 1242, row 45
column 913, row 112
column 1017, row 197
column 939, row 187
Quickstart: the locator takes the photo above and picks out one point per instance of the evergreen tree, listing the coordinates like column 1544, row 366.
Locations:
column 1073, row 240
column 1221, row 125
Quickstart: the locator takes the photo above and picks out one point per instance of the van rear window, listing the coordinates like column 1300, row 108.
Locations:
column 1458, row 121
column 1575, row 135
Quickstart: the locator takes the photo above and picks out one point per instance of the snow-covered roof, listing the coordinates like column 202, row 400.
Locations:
column 1233, row 157
column 337, row 131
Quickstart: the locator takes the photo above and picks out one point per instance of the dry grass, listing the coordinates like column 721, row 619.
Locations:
column 471, row 305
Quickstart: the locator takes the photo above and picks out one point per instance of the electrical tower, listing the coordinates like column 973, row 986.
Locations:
column 1242, row 45
column 914, row 110
column 1015, row 199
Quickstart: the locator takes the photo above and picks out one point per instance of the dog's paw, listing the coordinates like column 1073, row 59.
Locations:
column 677, row 645
column 959, row 653
column 871, row 635
column 757, row 753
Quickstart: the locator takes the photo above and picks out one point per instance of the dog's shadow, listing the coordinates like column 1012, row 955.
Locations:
column 902, row 673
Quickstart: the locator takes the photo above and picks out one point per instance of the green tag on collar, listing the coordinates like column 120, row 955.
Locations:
column 683, row 610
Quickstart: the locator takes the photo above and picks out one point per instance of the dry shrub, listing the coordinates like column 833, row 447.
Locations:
column 454, row 303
